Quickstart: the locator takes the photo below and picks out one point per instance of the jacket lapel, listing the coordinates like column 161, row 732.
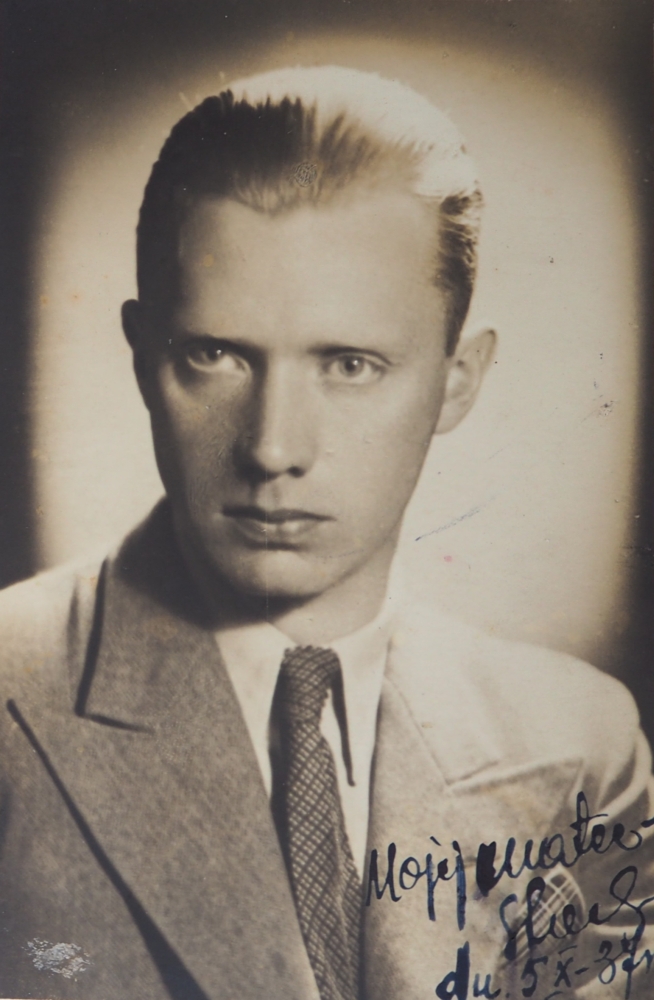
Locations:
column 438, row 774
column 159, row 764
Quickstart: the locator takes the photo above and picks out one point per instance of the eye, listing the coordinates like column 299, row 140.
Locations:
column 211, row 356
column 355, row 369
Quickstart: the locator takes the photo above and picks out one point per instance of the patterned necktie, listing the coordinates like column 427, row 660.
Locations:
column 307, row 809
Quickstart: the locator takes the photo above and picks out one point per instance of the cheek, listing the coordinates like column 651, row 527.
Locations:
column 377, row 450
column 191, row 432
column 403, row 416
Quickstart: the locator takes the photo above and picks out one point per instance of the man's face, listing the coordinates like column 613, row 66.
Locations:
column 294, row 385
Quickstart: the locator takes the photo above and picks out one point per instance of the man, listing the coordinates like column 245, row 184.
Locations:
column 234, row 764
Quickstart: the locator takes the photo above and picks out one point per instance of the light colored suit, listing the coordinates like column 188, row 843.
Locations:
column 137, row 832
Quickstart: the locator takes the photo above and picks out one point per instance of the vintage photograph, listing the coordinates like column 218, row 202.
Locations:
column 326, row 500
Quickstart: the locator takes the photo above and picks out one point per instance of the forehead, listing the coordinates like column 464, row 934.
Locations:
column 360, row 252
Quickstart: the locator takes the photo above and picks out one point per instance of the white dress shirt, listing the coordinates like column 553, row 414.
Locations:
column 253, row 654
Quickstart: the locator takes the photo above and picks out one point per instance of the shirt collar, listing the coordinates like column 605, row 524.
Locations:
column 253, row 653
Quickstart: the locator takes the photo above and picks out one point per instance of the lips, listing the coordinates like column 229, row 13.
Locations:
column 283, row 527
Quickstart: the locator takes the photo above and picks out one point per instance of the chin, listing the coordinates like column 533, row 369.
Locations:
column 285, row 575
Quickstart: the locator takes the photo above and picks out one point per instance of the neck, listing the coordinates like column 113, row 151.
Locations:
column 340, row 610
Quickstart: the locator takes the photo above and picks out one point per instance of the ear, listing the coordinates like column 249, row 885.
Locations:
column 133, row 328
column 467, row 368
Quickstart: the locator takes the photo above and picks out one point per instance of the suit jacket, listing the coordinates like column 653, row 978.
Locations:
column 139, row 859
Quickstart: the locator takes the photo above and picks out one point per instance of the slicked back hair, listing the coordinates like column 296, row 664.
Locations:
column 301, row 136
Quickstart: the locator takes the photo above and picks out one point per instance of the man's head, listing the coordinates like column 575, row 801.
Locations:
column 306, row 257
column 303, row 136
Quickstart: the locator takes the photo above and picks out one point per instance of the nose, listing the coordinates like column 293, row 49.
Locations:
column 280, row 434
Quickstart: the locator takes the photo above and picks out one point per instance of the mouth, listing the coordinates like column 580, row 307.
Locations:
column 278, row 528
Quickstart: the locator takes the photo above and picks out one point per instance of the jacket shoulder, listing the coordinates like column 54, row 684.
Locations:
column 524, row 702
column 41, row 617
column 551, row 698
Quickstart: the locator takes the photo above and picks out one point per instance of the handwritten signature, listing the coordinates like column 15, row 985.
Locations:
column 533, row 920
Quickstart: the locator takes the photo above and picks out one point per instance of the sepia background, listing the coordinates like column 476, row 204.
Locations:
column 534, row 518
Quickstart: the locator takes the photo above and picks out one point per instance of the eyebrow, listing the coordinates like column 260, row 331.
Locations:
column 331, row 349
column 325, row 348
